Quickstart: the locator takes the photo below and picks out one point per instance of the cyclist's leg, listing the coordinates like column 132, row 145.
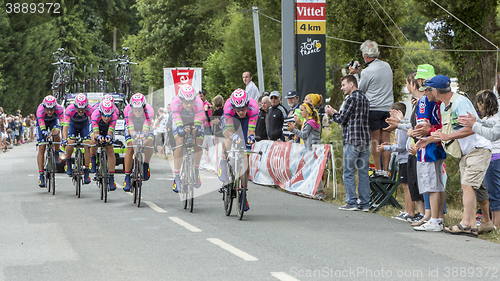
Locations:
column 93, row 151
column 85, row 134
column 55, row 128
column 128, row 160
column 111, row 166
column 198, row 153
column 178, row 152
column 148, row 153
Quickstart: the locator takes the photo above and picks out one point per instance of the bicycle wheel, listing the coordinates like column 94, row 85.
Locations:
column 127, row 81
column 46, row 170
column 78, row 162
column 66, row 85
column 116, row 78
column 138, row 184
column 190, row 187
column 242, row 195
column 85, row 86
column 52, row 176
column 55, row 84
column 228, row 193
column 105, row 175
column 184, row 183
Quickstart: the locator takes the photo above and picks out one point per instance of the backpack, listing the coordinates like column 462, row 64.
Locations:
column 452, row 147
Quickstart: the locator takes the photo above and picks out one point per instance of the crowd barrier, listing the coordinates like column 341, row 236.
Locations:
column 287, row 165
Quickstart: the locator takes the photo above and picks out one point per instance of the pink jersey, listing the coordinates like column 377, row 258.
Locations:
column 71, row 114
column 199, row 111
column 252, row 113
column 97, row 118
column 43, row 118
column 145, row 120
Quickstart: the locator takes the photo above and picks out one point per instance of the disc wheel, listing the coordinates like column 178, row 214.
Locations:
column 190, row 189
column 105, row 175
column 228, row 195
column 78, row 183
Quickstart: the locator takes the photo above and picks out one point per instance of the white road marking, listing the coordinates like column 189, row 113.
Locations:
column 232, row 249
column 283, row 276
column 155, row 207
column 184, row 224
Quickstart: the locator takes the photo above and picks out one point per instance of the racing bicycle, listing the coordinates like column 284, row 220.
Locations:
column 49, row 166
column 78, row 164
column 102, row 170
column 236, row 187
column 137, row 175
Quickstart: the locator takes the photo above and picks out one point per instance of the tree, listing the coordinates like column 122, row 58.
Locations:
column 475, row 70
column 359, row 22
column 439, row 60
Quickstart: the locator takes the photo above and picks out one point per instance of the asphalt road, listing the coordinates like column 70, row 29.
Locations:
column 282, row 237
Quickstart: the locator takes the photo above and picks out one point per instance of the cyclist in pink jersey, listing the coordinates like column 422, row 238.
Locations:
column 188, row 116
column 110, row 98
column 103, row 129
column 238, row 125
column 48, row 116
column 138, row 119
column 76, row 123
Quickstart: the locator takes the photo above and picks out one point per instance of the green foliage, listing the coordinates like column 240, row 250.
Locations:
column 413, row 25
column 440, row 60
column 359, row 22
column 475, row 71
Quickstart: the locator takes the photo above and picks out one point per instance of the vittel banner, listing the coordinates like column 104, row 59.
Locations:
column 310, row 30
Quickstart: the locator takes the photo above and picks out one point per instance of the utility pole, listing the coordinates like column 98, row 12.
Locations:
column 114, row 39
column 258, row 49
column 287, row 48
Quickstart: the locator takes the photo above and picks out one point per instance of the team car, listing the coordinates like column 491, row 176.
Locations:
column 119, row 145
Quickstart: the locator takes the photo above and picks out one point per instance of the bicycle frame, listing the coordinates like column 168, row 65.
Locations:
column 77, row 171
column 102, row 170
column 49, row 166
column 137, row 175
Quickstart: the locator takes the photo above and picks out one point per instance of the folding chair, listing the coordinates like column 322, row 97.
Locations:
column 382, row 189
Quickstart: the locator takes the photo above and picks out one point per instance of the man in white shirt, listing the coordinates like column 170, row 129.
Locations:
column 251, row 89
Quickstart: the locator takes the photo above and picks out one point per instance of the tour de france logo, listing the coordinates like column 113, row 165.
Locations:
column 310, row 47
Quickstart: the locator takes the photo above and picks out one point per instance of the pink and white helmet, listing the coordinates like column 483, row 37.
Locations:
column 108, row 97
column 81, row 101
column 186, row 92
column 106, row 108
column 49, row 101
column 239, row 98
column 137, row 100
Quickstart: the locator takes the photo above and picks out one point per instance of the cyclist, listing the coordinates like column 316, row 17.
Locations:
column 138, row 119
column 115, row 116
column 240, row 111
column 103, row 130
column 188, row 116
column 76, row 123
column 48, row 116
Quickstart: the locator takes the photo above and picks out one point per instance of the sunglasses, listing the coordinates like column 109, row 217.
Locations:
column 107, row 115
column 240, row 109
column 274, row 98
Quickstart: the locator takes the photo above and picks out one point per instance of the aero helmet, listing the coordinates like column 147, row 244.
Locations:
column 106, row 108
column 239, row 98
column 49, row 102
column 108, row 97
column 81, row 101
column 186, row 92
column 137, row 100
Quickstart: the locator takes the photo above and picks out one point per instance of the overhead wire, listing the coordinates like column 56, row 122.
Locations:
column 373, row 8
column 399, row 30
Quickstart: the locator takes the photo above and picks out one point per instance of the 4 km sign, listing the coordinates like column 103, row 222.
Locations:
column 310, row 30
column 310, row 17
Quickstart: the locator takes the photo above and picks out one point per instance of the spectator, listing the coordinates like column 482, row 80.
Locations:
column 17, row 131
column 376, row 84
column 310, row 132
column 161, row 129
column 488, row 105
column 261, row 127
column 12, row 126
column 3, row 135
column 275, row 118
column 293, row 102
column 208, row 112
column 356, row 144
column 399, row 146
column 218, row 102
column 476, row 151
column 251, row 90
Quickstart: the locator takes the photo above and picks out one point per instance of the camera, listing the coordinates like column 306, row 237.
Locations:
column 352, row 63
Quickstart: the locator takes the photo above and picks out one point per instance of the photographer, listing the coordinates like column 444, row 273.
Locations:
column 376, row 84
